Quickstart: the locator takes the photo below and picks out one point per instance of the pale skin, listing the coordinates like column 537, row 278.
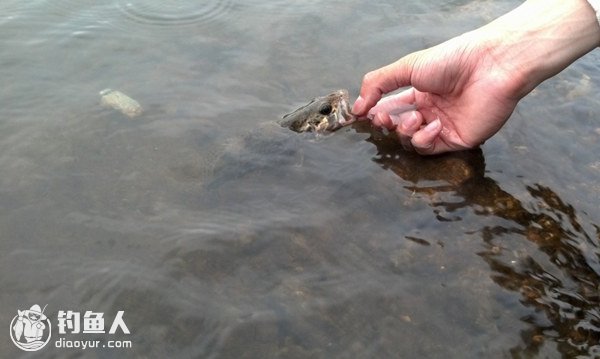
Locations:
column 463, row 90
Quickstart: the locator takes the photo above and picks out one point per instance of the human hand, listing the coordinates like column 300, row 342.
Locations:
column 463, row 90
column 460, row 96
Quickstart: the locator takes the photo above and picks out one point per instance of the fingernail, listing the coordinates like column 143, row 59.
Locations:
column 395, row 119
column 433, row 126
column 410, row 122
column 359, row 106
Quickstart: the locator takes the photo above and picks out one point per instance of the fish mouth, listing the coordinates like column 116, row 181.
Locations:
column 343, row 115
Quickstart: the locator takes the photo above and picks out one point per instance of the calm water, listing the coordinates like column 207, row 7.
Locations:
column 221, row 236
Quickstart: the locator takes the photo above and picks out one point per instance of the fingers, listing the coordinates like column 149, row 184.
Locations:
column 406, row 121
column 393, row 110
column 413, row 131
column 395, row 104
column 424, row 141
column 381, row 81
column 398, row 113
column 410, row 123
column 383, row 119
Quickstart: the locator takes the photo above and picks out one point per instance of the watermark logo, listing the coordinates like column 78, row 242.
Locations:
column 93, row 322
column 30, row 329
column 70, row 322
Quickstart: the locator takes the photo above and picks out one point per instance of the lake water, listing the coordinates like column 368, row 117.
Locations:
column 220, row 236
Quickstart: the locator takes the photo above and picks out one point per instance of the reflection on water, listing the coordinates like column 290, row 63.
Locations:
column 221, row 234
column 561, row 281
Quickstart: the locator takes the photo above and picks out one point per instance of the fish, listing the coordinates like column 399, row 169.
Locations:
column 321, row 115
column 119, row 101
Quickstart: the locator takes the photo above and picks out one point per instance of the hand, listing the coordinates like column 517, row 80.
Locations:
column 460, row 94
column 463, row 90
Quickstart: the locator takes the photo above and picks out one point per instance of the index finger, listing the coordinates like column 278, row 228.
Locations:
column 381, row 81
column 395, row 104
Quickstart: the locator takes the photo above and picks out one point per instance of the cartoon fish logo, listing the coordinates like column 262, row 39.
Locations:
column 30, row 329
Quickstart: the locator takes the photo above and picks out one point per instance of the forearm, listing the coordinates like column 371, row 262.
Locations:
column 540, row 38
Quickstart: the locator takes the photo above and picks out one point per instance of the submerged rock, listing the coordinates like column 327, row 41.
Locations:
column 119, row 101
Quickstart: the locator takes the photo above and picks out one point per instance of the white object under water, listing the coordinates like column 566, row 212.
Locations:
column 119, row 101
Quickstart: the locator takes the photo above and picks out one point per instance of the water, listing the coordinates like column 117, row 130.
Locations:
column 221, row 236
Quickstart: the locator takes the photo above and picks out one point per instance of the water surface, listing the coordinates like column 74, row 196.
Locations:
column 222, row 236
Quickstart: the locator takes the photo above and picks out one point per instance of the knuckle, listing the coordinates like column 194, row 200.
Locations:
column 369, row 78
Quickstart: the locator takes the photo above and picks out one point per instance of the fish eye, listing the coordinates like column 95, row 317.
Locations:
column 325, row 109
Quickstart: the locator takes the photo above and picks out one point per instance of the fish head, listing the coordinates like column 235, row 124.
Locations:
column 322, row 114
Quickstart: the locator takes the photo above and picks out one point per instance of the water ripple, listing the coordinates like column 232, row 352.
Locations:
column 174, row 13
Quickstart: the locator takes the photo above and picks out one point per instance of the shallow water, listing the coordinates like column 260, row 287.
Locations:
column 220, row 235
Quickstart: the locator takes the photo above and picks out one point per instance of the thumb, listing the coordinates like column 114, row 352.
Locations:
column 381, row 81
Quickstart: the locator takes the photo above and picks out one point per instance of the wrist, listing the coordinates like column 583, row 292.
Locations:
column 540, row 38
